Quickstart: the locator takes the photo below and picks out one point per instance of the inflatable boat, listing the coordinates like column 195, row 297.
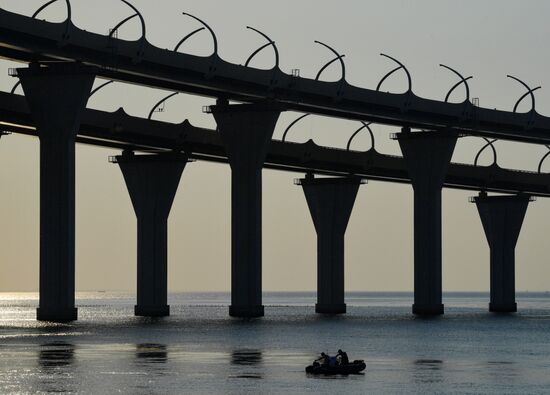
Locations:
column 351, row 368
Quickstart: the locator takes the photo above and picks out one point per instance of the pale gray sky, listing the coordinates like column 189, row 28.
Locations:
column 487, row 39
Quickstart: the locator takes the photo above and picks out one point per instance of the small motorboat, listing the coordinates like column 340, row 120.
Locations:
column 354, row 367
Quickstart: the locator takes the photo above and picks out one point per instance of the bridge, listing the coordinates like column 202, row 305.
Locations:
column 154, row 156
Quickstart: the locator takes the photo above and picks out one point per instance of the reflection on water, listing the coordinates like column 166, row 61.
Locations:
column 152, row 353
column 428, row 371
column 252, row 359
column 151, row 361
column 56, row 362
column 502, row 371
column 55, row 355
column 432, row 364
column 246, row 357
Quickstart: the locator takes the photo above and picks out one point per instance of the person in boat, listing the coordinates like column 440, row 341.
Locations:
column 323, row 360
column 344, row 360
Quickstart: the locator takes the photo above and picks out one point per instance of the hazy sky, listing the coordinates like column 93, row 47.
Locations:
column 487, row 39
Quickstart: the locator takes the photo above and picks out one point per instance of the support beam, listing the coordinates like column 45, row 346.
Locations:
column 57, row 95
column 152, row 182
column 246, row 132
column 502, row 218
column 330, row 202
column 427, row 157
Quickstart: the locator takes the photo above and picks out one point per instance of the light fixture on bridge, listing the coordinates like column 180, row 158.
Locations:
column 295, row 73
column 206, row 109
column 160, row 108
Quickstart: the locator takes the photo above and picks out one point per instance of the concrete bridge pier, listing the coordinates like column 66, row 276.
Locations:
column 57, row 95
column 427, row 157
column 502, row 218
column 330, row 202
column 152, row 182
column 246, row 131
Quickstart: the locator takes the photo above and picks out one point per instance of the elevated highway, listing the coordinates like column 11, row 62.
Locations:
column 24, row 39
column 119, row 130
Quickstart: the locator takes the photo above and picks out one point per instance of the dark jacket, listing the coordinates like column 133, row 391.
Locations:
column 345, row 359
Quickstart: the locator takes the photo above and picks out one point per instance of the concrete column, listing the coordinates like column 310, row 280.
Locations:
column 502, row 217
column 427, row 157
column 152, row 181
column 330, row 202
column 57, row 95
column 246, row 132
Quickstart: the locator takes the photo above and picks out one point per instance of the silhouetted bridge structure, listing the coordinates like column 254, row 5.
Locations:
column 64, row 62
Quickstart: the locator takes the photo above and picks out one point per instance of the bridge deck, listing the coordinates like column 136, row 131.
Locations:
column 25, row 39
column 119, row 130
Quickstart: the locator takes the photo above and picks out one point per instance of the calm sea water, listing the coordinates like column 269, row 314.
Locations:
column 200, row 350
